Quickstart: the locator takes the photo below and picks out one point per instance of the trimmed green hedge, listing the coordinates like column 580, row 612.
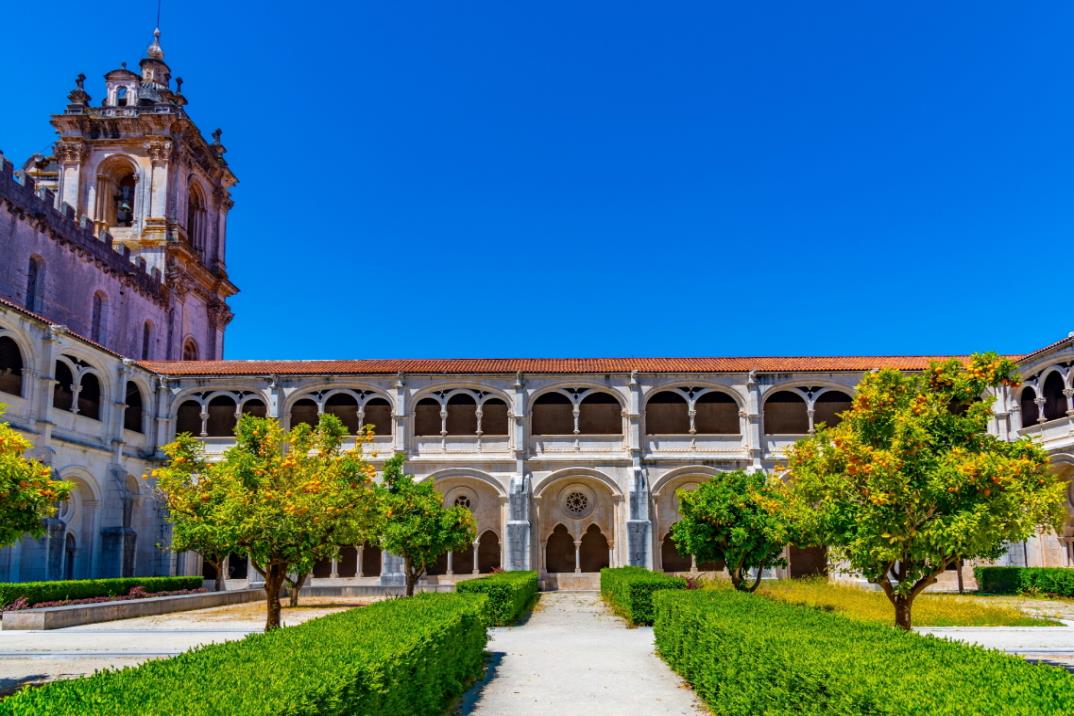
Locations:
column 629, row 591
column 86, row 588
column 509, row 594
column 400, row 656
column 747, row 654
column 1020, row 580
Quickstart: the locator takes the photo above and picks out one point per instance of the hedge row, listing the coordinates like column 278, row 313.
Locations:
column 85, row 588
column 509, row 594
column 1020, row 580
column 629, row 591
column 747, row 654
column 400, row 656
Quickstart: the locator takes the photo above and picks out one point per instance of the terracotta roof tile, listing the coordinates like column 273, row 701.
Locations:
column 486, row 366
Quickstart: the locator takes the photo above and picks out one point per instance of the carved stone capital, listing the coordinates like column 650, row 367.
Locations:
column 70, row 151
column 159, row 150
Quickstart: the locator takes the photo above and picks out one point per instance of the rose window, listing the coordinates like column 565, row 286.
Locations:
column 463, row 501
column 576, row 504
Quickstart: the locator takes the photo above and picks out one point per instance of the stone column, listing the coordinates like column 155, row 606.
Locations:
column 70, row 153
column 451, row 562
column 518, row 524
column 476, row 569
column 639, row 526
column 752, row 417
column 578, row 556
column 335, row 568
column 360, row 570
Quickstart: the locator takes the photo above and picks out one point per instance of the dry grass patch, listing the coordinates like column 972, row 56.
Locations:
column 867, row 605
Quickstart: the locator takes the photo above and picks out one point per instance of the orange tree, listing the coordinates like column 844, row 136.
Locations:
column 415, row 525
column 28, row 494
column 910, row 481
column 284, row 498
column 737, row 518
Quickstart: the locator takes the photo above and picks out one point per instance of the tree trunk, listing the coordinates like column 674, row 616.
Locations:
column 410, row 576
column 274, row 576
column 903, row 605
column 958, row 569
column 219, row 585
column 756, row 582
column 296, row 587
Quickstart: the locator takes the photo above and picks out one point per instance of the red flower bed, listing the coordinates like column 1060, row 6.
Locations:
column 134, row 593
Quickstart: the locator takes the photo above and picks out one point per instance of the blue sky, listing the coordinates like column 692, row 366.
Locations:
column 432, row 179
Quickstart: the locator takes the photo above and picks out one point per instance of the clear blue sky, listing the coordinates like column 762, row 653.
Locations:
column 612, row 178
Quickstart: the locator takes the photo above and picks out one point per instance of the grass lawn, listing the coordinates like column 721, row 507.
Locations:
column 873, row 606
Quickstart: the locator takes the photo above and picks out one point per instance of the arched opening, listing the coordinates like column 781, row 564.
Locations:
column 378, row 413
column 370, row 561
column 829, row 407
column 97, row 318
column 116, row 190
column 1030, row 409
column 667, row 413
column 600, row 414
column 69, row 556
column 254, row 407
column 1055, row 403
column 322, row 569
column 427, row 417
column 147, row 339
column 553, row 414
column 807, row 561
column 132, row 414
column 785, row 414
column 35, row 284
column 237, row 566
column 195, row 219
column 437, row 568
column 559, row 551
column 188, row 418
column 716, row 414
column 344, row 407
column 670, row 558
column 462, row 561
column 461, row 415
column 593, row 555
column 488, row 552
column 208, row 570
column 121, row 96
column 10, row 366
column 89, row 398
column 222, row 419
column 347, row 562
column 190, row 349
column 494, row 417
column 304, row 411
column 63, row 391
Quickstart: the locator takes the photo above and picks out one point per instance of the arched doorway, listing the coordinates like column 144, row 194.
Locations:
column 559, row 551
column 594, row 553
column 670, row 559
column 488, row 552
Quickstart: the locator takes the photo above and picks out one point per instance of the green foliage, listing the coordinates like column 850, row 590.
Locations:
column 509, row 594
column 910, row 481
column 86, row 588
column 736, row 518
column 629, row 591
column 402, row 656
column 416, row 525
column 285, row 498
column 746, row 654
column 1058, row 581
column 28, row 494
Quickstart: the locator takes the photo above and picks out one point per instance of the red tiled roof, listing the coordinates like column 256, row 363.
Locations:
column 486, row 366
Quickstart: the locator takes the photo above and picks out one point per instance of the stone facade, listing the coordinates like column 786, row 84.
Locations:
column 568, row 465
column 120, row 235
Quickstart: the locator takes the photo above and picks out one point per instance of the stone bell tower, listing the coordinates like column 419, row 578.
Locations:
column 139, row 169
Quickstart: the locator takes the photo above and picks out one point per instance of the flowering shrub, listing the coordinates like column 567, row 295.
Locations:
column 65, row 590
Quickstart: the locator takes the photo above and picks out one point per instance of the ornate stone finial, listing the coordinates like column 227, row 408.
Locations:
column 78, row 95
column 123, row 65
column 217, row 133
column 178, row 85
column 154, row 50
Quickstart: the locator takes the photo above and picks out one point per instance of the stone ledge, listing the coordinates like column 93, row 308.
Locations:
column 78, row 614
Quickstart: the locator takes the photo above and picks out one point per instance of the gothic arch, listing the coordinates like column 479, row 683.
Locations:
column 702, row 472
column 568, row 472
column 470, row 474
column 577, row 393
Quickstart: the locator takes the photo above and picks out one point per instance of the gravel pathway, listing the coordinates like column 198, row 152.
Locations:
column 574, row 657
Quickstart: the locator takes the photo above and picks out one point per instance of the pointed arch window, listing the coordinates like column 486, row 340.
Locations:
column 35, row 281
column 147, row 338
column 97, row 318
column 190, row 349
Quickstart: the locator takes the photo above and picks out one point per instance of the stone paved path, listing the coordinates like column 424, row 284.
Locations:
column 574, row 657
